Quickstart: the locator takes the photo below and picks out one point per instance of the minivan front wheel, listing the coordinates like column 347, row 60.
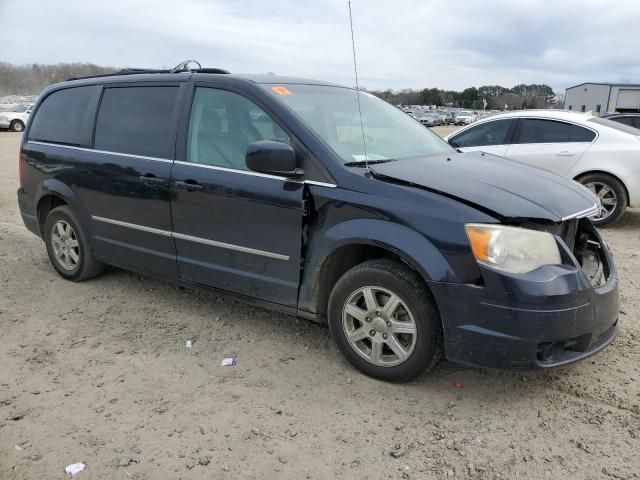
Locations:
column 612, row 195
column 384, row 320
column 67, row 246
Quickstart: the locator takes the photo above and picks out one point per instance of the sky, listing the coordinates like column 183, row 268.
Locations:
column 449, row 44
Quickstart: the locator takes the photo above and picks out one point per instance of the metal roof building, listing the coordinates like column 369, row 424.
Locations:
column 603, row 97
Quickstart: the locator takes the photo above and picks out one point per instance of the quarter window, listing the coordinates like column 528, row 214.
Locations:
column 137, row 121
column 490, row 133
column 67, row 116
column 223, row 124
column 532, row 130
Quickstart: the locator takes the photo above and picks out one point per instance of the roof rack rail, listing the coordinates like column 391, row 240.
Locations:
column 180, row 68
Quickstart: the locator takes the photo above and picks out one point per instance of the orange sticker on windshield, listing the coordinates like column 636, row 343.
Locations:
column 282, row 90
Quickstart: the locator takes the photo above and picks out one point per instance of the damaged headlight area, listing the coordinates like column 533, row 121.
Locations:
column 589, row 252
column 512, row 249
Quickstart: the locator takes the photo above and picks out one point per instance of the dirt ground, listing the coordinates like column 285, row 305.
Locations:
column 98, row 372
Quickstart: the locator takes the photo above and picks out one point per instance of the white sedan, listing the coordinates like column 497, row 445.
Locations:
column 16, row 118
column 601, row 154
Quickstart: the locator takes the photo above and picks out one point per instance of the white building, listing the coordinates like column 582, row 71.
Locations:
column 603, row 97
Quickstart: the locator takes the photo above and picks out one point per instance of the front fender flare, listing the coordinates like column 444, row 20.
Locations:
column 413, row 248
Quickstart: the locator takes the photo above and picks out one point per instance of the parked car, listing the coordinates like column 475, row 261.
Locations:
column 442, row 117
column 263, row 188
column 599, row 153
column 630, row 119
column 464, row 117
column 428, row 119
column 15, row 119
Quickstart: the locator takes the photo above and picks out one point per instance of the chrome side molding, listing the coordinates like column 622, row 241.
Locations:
column 190, row 238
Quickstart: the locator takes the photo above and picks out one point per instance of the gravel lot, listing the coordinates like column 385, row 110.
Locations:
column 98, row 372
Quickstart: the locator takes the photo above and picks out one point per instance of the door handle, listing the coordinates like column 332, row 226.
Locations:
column 188, row 185
column 565, row 154
column 150, row 178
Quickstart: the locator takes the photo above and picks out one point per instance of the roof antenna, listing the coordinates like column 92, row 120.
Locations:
column 355, row 69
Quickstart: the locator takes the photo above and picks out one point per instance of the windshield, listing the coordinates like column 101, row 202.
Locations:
column 332, row 112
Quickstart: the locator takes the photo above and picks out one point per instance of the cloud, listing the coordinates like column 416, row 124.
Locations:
column 405, row 43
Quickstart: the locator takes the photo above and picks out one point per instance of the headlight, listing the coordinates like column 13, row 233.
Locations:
column 512, row 249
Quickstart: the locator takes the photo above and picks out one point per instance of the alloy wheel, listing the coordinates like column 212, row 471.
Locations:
column 66, row 247
column 607, row 196
column 379, row 326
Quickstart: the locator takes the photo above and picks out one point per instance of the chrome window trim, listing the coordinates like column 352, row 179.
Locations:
column 201, row 165
column 105, row 152
column 320, row 184
column 190, row 238
column 235, row 170
column 255, row 174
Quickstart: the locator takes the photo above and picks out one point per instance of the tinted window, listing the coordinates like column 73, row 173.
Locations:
column 490, row 133
column 137, row 120
column 549, row 131
column 67, row 116
column 625, row 121
column 223, row 124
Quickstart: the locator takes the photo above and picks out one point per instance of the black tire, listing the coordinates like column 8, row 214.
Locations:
column 617, row 188
column 16, row 126
column 86, row 266
column 412, row 291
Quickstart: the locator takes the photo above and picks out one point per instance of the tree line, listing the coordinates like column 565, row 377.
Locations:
column 33, row 78
column 496, row 96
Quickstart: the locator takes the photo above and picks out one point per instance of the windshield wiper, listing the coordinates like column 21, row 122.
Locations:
column 362, row 163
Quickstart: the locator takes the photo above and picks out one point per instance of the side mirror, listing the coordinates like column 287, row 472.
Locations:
column 273, row 158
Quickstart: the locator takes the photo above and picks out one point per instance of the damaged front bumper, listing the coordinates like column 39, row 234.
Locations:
column 555, row 315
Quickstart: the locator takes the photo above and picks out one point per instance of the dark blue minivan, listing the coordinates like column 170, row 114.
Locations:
column 320, row 202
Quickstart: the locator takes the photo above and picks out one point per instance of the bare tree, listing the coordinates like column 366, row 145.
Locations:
column 33, row 78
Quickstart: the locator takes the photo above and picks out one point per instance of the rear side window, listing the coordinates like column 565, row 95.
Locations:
column 67, row 116
column 137, row 121
column 533, row 130
column 490, row 133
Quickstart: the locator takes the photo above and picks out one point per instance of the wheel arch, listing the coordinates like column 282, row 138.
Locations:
column 47, row 203
column 53, row 193
column 342, row 250
column 603, row 172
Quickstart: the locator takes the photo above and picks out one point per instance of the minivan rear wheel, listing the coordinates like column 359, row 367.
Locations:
column 384, row 320
column 16, row 126
column 612, row 194
column 67, row 246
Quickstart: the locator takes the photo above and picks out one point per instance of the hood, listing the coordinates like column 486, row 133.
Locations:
column 503, row 187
